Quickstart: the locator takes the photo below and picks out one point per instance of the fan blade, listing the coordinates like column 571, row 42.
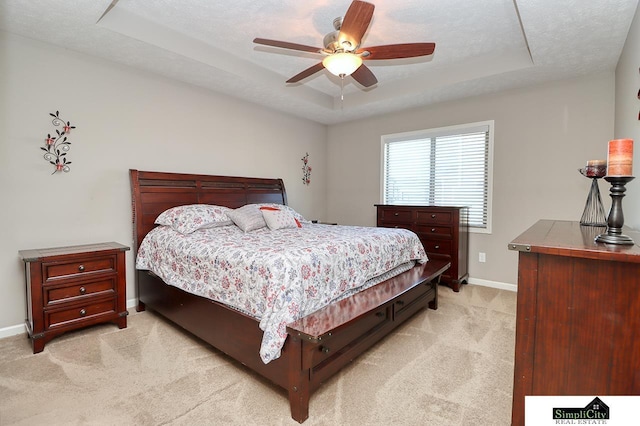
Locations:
column 397, row 51
column 306, row 73
column 355, row 24
column 287, row 45
column 364, row 76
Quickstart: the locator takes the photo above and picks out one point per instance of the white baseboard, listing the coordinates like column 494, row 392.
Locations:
column 12, row 330
column 493, row 284
column 21, row 328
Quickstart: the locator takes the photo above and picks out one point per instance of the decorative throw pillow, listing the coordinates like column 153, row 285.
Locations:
column 248, row 217
column 285, row 208
column 189, row 218
column 279, row 219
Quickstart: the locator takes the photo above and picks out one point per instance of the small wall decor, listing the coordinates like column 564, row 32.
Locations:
column 56, row 148
column 306, row 170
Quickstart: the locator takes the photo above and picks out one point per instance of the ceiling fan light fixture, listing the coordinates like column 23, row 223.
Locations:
column 342, row 63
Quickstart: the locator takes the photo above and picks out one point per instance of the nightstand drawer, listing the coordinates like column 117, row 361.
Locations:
column 53, row 271
column 63, row 317
column 434, row 216
column 434, row 231
column 436, row 246
column 70, row 293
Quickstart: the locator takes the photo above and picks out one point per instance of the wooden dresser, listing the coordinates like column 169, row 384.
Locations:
column 443, row 231
column 578, row 314
column 73, row 287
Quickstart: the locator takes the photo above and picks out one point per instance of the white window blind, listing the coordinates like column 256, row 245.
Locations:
column 447, row 167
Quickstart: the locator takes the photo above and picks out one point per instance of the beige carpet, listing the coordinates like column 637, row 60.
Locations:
column 453, row 366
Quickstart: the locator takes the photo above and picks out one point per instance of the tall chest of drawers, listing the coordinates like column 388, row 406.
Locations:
column 73, row 287
column 443, row 231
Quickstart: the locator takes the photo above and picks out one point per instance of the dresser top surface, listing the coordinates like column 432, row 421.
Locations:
column 37, row 254
column 569, row 238
column 420, row 206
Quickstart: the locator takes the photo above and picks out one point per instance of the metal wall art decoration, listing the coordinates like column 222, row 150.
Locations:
column 306, row 170
column 57, row 146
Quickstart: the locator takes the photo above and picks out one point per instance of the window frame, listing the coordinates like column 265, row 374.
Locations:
column 447, row 131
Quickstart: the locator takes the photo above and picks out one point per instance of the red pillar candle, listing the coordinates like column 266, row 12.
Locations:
column 620, row 158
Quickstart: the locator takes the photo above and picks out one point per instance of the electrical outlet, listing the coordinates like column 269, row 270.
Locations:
column 482, row 257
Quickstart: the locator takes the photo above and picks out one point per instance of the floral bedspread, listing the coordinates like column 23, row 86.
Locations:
column 276, row 276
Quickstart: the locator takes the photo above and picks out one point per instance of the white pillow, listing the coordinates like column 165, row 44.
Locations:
column 284, row 208
column 248, row 217
column 189, row 218
column 279, row 219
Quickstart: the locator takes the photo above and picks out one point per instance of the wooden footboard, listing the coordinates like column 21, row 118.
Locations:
column 332, row 337
column 319, row 345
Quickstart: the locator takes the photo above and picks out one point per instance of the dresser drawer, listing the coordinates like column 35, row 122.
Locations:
column 434, row 216
column 78, row 313
column 69, row 293
column 58, row 270
column 395, row 215
column 437, row 246
column 434, row 232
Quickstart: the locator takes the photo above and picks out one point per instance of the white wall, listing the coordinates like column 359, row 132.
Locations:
column 542, row 136
column 125, row 119
column 627, row 124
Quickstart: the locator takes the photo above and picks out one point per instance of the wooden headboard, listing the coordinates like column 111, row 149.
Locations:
column 154, row 192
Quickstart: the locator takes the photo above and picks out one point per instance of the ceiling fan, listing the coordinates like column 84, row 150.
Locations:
column 343, row 55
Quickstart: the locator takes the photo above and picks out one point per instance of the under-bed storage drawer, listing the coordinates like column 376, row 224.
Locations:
column 350, row 334
column 413, row 300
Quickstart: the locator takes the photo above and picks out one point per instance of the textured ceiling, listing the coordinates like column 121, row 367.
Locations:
column 482, row 46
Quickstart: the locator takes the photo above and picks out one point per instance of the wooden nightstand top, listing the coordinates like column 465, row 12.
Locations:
column 37, row 254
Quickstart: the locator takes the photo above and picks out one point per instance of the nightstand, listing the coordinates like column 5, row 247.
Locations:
column 73, row 287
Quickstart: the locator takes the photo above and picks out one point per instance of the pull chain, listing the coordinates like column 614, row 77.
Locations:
column 341, row 91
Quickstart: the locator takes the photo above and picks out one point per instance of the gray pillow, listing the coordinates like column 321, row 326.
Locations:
column 248, row 218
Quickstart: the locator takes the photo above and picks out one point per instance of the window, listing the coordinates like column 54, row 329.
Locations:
column 445, row 166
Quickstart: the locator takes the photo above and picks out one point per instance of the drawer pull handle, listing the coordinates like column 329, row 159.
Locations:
column 325, row 350
column 396, row 214
column 81, row 268
column 436, row 247
column 83, row 290
column 400, row 302
column 433, row 216
column 83, row 312
column 380, row 314
column 433, row 229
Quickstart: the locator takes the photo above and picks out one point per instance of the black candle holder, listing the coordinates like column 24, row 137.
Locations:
column 615, row 221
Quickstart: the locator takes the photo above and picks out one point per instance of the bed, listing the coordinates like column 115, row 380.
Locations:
column 317, row 345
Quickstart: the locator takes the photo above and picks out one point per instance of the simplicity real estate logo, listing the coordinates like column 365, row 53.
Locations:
column 596, row 412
